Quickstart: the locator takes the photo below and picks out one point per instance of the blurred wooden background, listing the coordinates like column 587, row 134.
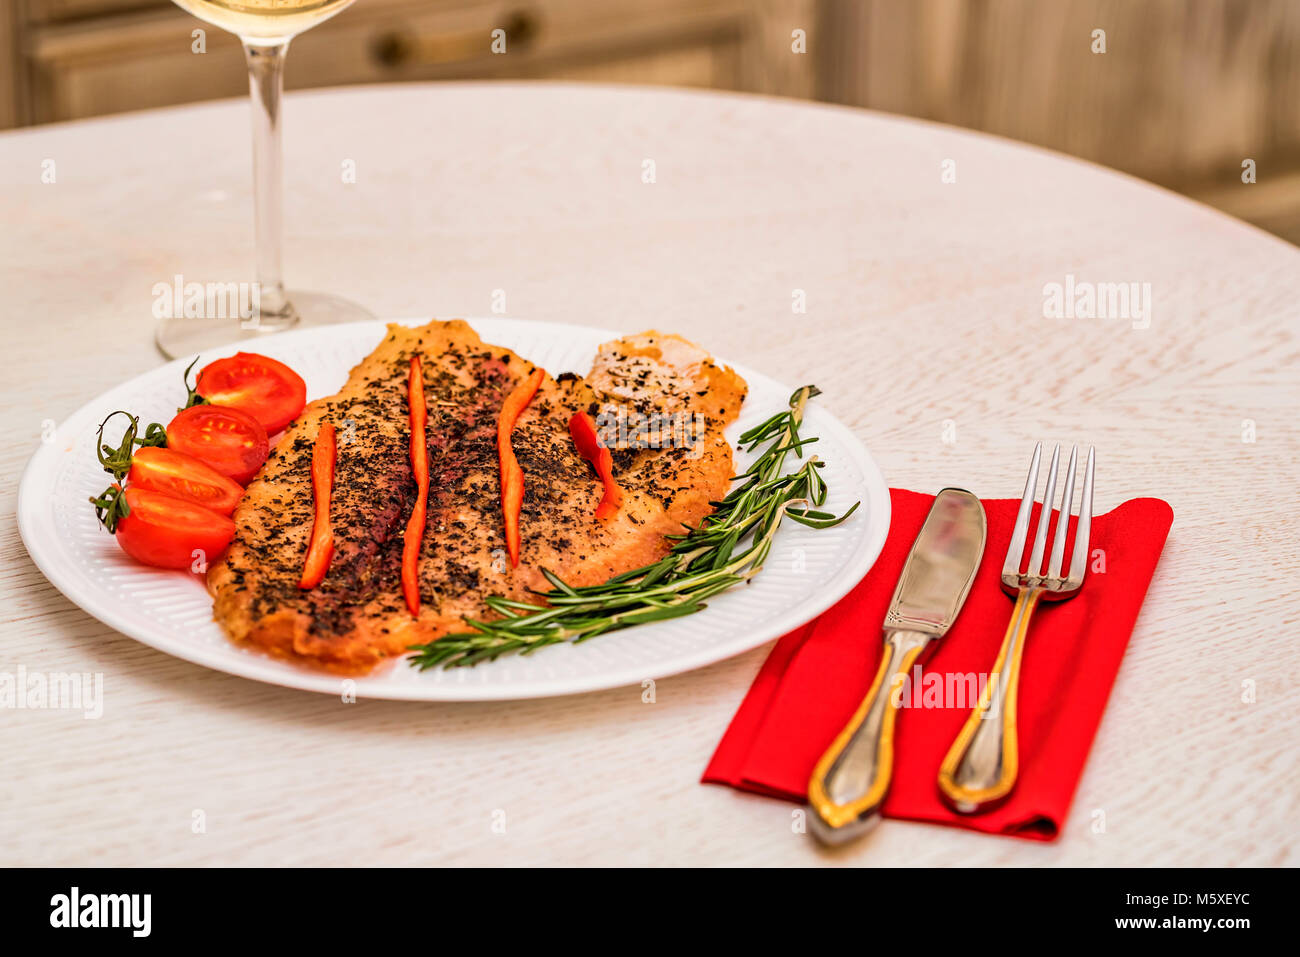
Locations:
column 1185, row 92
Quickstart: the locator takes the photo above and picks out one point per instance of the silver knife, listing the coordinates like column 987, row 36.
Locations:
column 852, row 778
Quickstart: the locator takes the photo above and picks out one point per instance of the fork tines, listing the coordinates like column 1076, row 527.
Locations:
column 1034, row 575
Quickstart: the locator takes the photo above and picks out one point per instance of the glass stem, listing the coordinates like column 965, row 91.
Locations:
column 266, row 83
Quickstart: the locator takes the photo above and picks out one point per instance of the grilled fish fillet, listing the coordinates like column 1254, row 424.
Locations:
column 356, row 618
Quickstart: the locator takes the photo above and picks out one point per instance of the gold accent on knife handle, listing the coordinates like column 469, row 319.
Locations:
column 980, row 768
column 851, row 779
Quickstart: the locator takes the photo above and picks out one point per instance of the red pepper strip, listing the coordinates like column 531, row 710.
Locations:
column 512, row 476
column 414, row 533
column 587, row 442
column 321, row 548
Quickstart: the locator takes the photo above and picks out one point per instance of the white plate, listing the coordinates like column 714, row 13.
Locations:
column 807, row 572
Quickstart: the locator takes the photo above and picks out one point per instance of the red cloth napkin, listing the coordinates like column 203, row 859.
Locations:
column 816, row 676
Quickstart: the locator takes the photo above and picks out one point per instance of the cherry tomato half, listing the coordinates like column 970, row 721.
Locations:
column 172, row 472
column 232, row 442
column 169, row 532
column 267, row 390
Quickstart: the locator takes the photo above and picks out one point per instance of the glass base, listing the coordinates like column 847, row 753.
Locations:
column 178, row 336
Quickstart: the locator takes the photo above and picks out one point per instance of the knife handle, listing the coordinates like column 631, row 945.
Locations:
column 851, row 779
column 980, row 768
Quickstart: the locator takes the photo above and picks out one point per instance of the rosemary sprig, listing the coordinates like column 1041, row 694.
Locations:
column 728, row 547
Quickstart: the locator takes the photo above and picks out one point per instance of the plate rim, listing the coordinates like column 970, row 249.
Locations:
column 323, row 682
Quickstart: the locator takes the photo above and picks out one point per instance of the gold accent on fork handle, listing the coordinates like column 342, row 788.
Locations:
column 980, row 768
column 852, row 778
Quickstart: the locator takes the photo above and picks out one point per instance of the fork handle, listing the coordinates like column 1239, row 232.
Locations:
column 980, row 768
column 851, row 779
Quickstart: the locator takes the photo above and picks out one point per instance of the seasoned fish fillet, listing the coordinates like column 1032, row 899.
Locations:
column 356, row 617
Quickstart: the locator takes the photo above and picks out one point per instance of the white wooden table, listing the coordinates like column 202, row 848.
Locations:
column 924, row 325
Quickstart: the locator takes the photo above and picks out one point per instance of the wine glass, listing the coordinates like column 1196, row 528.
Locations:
column 265, row 27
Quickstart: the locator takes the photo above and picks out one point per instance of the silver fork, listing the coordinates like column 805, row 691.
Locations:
column 980, row 768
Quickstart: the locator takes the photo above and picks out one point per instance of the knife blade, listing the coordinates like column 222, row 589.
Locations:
column 852, row 778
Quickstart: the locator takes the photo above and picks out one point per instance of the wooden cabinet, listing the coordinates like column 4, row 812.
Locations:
column 78, row 58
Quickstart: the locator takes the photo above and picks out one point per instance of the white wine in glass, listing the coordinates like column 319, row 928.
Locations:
column 273, row 19
column 265, row 27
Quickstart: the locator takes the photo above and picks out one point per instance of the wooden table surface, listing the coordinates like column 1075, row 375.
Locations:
column 924, row 325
